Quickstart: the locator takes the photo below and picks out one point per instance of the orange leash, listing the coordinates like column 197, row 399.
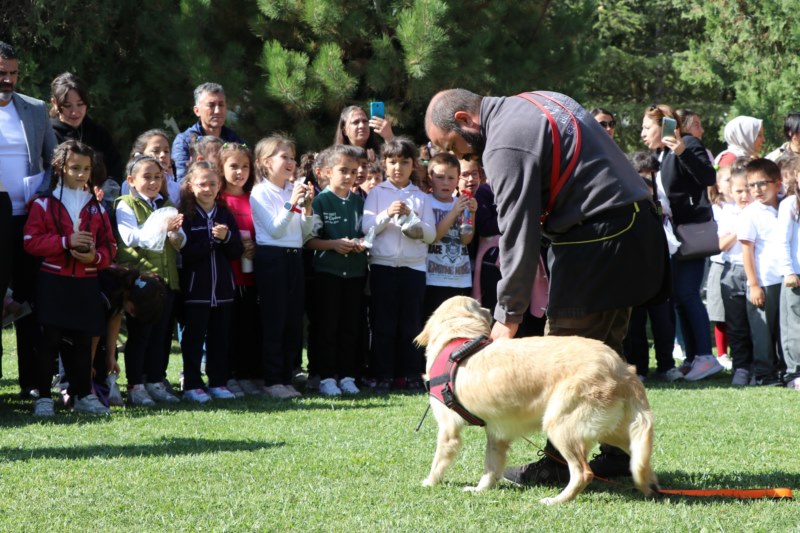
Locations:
column 740, row 494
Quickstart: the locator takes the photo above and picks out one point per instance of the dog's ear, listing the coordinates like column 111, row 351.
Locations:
column 425, row 335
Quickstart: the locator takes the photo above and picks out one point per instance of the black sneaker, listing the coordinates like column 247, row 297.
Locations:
column 606, row 464
column 769, row 381
column 545, row 471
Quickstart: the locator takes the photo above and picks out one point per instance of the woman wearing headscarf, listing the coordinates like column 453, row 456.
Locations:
column 745, row 136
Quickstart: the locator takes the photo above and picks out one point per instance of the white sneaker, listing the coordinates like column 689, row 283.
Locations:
column 90, row 404
column 137, row 395
column 726, row 361
column 196, row 395
column 221, row 393
column 677, row 353
column 44, row 407
column 114, row 394
column 277, row 391
column 159, row 393
column 328, row 387
column 250, row 388
column 702, row 367
column 348, row 386
column 236, row 389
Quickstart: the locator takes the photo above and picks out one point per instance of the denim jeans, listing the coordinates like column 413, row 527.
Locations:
column 687, row 278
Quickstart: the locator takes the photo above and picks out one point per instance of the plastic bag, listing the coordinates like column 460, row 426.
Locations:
column 412, row 228
column 153, row 232
column 369, row 238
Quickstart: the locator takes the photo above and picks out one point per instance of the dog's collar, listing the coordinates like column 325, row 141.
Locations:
column 442, row 382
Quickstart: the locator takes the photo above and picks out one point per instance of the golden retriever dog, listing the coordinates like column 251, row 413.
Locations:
column 578, row 390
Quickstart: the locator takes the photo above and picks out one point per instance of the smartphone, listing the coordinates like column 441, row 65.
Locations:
column 376, row 110
column 668, row 127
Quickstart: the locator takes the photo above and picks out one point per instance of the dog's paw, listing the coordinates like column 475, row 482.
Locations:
column 474, row 489
column 548, row 501
column 428, row 482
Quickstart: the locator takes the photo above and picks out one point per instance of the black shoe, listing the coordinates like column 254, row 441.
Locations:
column 769, row 381
column 606, row 464
column 545, row 471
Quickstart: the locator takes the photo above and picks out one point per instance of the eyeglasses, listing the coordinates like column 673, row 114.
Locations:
column 609, row 124
column 760, row 184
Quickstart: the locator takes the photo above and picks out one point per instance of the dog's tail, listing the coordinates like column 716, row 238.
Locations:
column 641, row 444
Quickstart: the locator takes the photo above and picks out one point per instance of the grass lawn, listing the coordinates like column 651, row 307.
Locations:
column 356, row 465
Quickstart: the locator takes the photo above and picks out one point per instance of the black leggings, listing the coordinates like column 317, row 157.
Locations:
column 76, row 354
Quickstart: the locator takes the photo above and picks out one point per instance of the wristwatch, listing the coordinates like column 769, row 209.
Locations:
column 288, row 206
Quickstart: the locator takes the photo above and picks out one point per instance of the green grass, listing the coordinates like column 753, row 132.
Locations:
column 356, row 465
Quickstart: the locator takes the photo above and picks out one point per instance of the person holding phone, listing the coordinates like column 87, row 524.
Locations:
column 356, row 128
column 686, row 174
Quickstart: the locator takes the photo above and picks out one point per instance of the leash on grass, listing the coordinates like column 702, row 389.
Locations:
column 781, row 493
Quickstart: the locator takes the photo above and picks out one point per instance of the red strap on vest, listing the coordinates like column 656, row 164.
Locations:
column 557, row 179
column 442, row 375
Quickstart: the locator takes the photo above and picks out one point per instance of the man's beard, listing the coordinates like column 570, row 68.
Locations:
column 6, row 92
column 475, row 140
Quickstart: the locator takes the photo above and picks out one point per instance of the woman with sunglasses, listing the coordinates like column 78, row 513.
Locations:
column 605, row 118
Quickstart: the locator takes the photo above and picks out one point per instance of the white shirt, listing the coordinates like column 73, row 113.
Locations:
column 717, row 210
column 129, row 228
column 391, row 247
column 13, row 157
column 758, row 223
column 726, row 224
column 274, row 224
column 789, row 229
column 448, row 259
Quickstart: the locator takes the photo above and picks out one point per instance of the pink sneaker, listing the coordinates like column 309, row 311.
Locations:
column 794, row 384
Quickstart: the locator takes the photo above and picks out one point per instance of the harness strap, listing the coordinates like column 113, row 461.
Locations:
column 557, row 179
column 441, row 384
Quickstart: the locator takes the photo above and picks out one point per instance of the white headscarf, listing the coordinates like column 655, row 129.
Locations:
column 741, row 133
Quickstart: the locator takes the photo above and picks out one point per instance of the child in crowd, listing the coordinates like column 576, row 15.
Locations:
column 719, row 196
column 397, row 267
column 207, row 285
column 789, row 233
column 374, row 177
column 148, row 345
column 206, row 148
column 662, row 315
column 282, row 217
column 340, row 266
column 244, row 345
column 733, row 281
column 448, row 272
column 470, row 176
column 759, row 234
column 70, row 230
column 124, row 290
column 156, row 143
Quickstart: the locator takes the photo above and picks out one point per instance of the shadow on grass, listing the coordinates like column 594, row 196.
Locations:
column 162, row 448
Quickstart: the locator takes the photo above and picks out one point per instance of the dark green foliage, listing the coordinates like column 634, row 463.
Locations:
column 292, row 65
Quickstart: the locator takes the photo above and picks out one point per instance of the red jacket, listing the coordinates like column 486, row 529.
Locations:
column 47, row 232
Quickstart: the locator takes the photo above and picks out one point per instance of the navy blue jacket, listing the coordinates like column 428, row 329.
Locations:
column 207, row 276
column 180, row 146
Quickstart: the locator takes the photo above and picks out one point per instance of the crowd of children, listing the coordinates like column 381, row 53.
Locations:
column 250, row 247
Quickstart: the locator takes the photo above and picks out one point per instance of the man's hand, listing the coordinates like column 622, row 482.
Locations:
column 504, row 331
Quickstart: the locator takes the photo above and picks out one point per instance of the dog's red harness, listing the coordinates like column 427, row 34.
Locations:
column 442, row 382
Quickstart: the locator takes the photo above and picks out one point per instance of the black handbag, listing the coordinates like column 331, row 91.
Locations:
column 698, row 240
